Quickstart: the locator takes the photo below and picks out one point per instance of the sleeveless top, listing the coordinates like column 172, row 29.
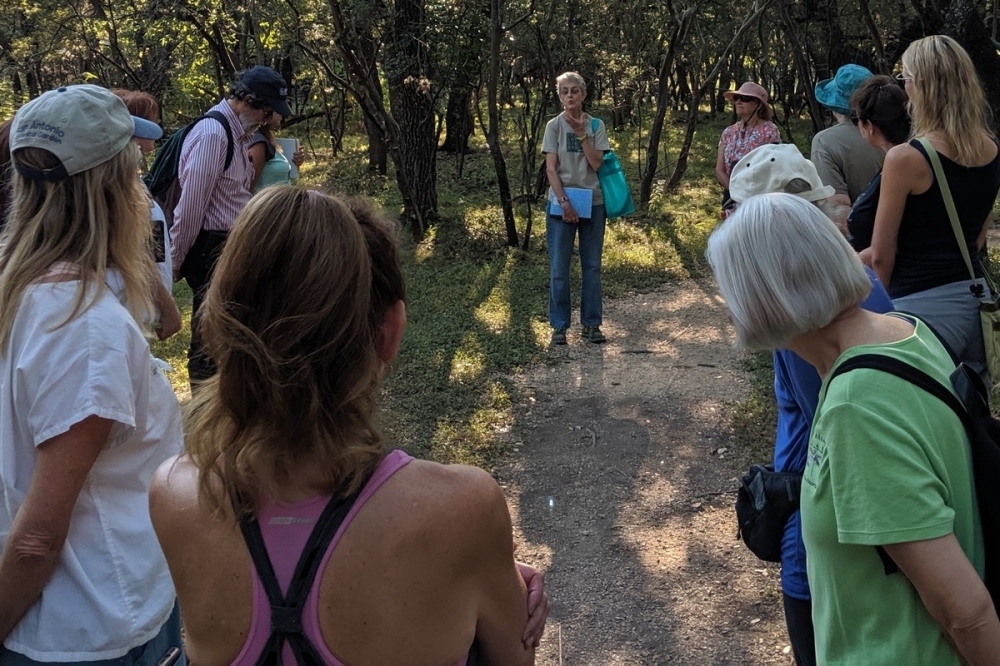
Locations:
column 277, row 171
column 286, row 528
column 927, row 255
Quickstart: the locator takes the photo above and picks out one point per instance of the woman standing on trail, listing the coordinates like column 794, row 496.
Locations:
column 753, row 129
column 86, row 414
column 574, row 145
column 914, row 250
column 888, row 464
column 410, row 562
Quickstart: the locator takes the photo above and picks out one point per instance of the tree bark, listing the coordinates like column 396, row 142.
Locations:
column 678, row 32
column 493, row 126
column 458, row 118
column 413, row 110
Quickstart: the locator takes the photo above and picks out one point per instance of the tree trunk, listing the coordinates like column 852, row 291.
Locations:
column 458, row 118
column 677, row 33
column 493, row 127
column 802, row 65
column 368, row 92
column 413, row 110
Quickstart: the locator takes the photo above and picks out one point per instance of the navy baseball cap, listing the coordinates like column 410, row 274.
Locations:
column 269, row 86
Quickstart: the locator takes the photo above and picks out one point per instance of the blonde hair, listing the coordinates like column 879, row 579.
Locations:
column 95, row 220
column 288, row 321
column 947, row 95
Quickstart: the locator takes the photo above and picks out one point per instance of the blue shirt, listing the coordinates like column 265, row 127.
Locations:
column 796, row 388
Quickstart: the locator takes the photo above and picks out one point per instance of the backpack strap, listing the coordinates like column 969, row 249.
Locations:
column 286, row 609
column 229, row 134
column 918, row 378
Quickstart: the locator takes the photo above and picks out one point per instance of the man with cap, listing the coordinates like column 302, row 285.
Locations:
column 842, row 157
column 782, row 168
column 213, row 195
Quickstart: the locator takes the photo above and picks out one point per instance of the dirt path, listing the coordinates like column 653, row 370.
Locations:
column 620, row 493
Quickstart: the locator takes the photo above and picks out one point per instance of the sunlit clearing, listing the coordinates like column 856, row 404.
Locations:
column 468, row 361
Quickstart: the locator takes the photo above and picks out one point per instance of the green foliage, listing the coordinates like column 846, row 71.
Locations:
column 477, row 310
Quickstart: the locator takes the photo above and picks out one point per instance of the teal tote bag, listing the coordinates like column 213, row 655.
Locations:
column 614, row 187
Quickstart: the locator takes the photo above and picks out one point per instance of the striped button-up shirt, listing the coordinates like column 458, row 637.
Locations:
column 211, row 195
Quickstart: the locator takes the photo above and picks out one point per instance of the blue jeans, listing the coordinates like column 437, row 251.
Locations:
column 147, row 654
column 559, row 237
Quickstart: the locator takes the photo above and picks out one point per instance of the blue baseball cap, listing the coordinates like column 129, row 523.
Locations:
column 835, row 93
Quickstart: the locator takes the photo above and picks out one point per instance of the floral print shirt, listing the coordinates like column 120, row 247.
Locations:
column 737, row 141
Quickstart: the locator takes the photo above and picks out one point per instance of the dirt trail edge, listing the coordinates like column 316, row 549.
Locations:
column 622, row 489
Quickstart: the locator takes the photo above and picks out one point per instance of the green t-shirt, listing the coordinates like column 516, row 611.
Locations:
column 276, row 171
column 888, row 463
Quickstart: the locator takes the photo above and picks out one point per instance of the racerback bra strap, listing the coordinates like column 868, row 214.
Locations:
column 286, row 609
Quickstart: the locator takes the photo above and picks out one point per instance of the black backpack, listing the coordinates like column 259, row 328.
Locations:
column 161, row 179
column 972, row 406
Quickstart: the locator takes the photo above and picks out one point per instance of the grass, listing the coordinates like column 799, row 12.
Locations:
column 477, row 310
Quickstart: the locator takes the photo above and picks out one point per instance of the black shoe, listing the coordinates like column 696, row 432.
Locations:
column 593, row 334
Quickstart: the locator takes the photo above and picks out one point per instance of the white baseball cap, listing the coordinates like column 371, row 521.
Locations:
column 777, row 167
column 83, row 126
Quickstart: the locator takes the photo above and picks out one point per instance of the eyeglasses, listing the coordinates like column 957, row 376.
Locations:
column 903, row 78
column 855, row 119
column 744, row 98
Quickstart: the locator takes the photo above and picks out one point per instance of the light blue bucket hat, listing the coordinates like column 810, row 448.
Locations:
column 835, row 93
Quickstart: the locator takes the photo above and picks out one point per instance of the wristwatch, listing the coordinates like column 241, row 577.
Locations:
column 562, row 199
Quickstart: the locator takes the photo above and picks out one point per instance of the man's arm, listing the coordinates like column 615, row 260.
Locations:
column 202, row 162
column 42, row 522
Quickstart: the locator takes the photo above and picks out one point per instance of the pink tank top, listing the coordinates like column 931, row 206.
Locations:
column 286, row 529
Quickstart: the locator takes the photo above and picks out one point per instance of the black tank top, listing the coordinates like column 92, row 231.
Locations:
column 927, row 255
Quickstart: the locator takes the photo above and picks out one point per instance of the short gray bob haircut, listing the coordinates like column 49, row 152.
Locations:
column 784, row 269
column 571, row 77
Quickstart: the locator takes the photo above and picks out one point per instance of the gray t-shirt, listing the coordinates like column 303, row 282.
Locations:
column 844, row 159
column 574, row 171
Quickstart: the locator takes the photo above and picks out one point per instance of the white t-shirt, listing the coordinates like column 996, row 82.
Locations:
column 165, row 267
column 111, row 590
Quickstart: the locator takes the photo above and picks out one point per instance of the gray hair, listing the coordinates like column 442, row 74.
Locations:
column 784, row 269
column 571, row 77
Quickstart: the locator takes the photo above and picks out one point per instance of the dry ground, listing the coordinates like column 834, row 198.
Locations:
column 622, row 490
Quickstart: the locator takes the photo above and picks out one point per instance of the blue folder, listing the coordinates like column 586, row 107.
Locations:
column 581, row 199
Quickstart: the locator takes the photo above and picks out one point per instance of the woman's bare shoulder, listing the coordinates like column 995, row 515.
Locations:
column 452, row 497
column 904, row 156
column 173, row 493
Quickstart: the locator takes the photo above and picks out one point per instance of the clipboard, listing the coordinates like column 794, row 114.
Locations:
column 581, row 199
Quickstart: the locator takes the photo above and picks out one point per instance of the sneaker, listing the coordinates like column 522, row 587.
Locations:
column 559, row 336
column 593, row 333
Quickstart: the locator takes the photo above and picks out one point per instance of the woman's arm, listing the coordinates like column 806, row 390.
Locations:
column 953, row 594
column 901, row 176
column 170, row 315
column 721, row 174
column 42, row 522
column 258, row 155
column 594, row 156
column 503, row 609
column 569, row 213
